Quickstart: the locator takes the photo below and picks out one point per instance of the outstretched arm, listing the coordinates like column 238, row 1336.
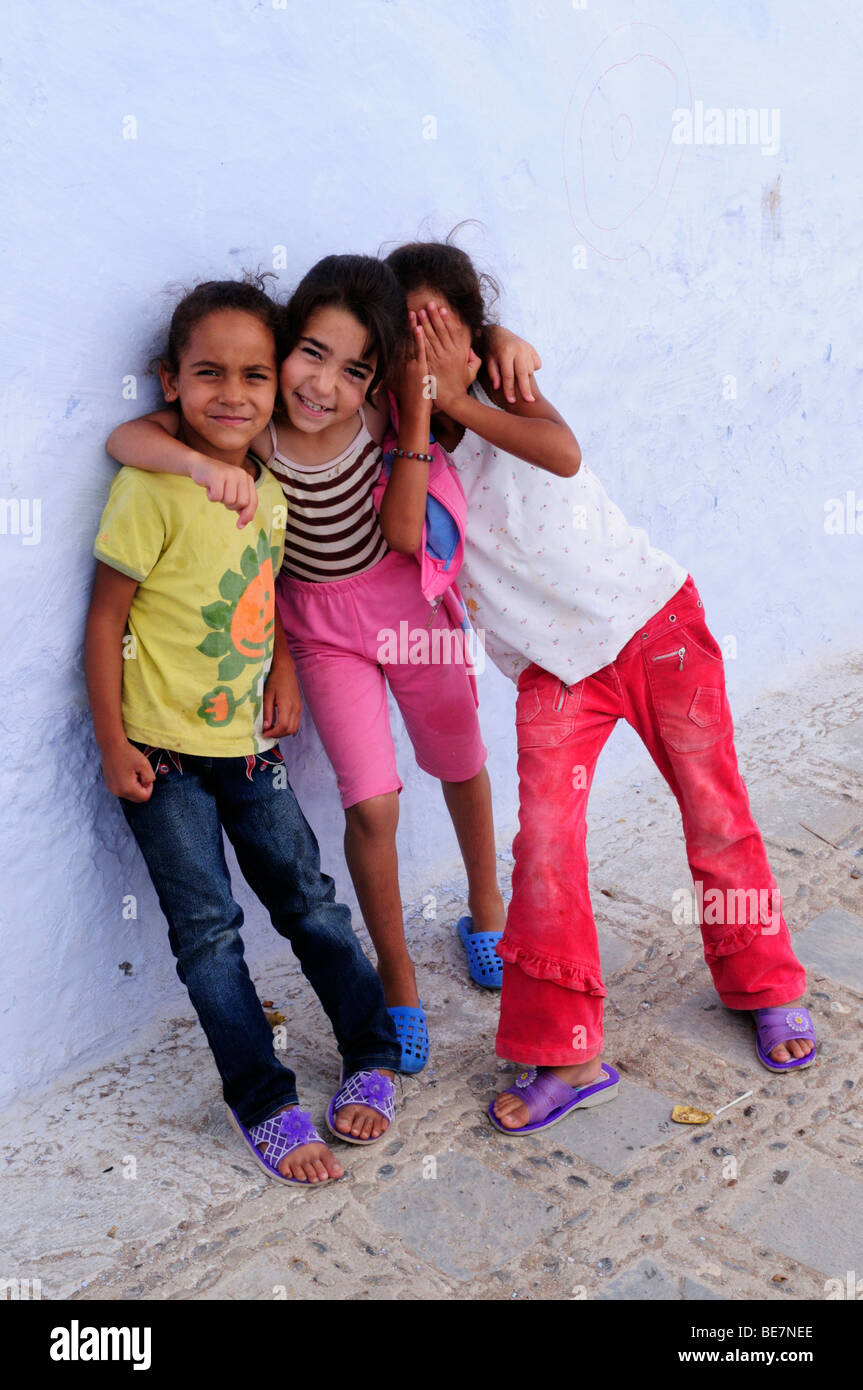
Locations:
column 151, row 443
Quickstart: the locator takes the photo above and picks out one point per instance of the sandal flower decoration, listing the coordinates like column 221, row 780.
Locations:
column 377, row 1087
column 297, row 1127
column 795, row 1020
column 526, row 1078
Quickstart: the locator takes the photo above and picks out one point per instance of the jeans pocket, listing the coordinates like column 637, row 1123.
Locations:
column 687, row 686
column 545, row 713
column 706, row 706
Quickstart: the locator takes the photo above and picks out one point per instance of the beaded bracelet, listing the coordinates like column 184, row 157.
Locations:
column 412, row 454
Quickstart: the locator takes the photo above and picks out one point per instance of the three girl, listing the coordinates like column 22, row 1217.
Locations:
column 342, row 586
column 592, row 622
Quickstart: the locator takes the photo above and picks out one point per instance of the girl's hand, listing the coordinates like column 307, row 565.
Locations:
column 411, row 381
column 233, row 487
column 282, row 702
column 452, row 361
column 127, row 772
column 511, row 360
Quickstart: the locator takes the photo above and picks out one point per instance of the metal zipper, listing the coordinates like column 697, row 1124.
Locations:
column 436, row 603
column 561, row 696
column 665, row 656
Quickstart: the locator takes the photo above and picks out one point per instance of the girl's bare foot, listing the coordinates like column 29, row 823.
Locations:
column 791, row 1048
column 361, row 1121
column 309, row 1163
column 795, row 1047
column 514, row 1114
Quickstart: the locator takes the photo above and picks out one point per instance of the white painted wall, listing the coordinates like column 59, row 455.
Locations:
column 339, row 126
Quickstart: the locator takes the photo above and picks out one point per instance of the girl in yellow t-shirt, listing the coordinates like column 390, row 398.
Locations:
column 187, row 727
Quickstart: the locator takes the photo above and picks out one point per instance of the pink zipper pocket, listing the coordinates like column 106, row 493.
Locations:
column 666, row 656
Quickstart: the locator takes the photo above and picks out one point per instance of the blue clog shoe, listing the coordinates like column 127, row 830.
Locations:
column 484, row 964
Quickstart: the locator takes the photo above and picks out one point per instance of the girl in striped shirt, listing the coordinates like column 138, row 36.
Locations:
column 343, row 595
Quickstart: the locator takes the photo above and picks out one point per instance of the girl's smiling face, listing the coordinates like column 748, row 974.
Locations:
column 325, row 378
column 225, row 382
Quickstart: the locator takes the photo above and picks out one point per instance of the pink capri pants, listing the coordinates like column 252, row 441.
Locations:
column 348, row 637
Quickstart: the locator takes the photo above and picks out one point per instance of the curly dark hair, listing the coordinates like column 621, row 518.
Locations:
column 367, row 288
column 248, row 294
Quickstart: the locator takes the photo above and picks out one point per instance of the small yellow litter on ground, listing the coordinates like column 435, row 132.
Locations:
column 688, row 1115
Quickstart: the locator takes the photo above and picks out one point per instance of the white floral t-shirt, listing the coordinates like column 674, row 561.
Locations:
column 553, row 572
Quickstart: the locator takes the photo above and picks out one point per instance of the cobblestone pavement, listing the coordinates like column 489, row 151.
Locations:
column 127, row 1182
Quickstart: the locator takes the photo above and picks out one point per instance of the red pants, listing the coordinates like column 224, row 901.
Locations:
column 669, row 684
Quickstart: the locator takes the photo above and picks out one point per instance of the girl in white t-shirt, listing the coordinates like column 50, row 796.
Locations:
column 594, row 624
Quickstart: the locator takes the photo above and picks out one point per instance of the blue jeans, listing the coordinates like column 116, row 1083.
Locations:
column 179, row 833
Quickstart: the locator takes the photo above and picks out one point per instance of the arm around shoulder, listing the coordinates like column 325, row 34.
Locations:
column 531, row 430
column 150, row 442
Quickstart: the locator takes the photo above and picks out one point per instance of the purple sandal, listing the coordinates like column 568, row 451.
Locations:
column 783, row 1024
column 282, row 1134
column 364, row 1088
column 548, row 1099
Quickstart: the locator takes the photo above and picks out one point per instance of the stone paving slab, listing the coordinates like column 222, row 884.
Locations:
column 799, row 817
column 701, row 1019
column 613, row 1137
column 467, row 1220
column 277, row 1275
column 832, row 944
column 614, row 953
column 47, row 1215
column 845, row 747
column 804, row 1211
column 651, row 1283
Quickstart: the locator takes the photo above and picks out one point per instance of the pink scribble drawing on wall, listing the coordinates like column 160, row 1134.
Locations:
column 619, row 163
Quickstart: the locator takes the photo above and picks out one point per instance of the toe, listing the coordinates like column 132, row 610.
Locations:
column 332, row 1167
column 511, row 1111
column 311, row 1163
column 793, row 1049
column 292, row 1167
column 345, row 1119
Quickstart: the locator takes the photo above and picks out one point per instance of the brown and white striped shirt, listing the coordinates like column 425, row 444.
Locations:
column 332, row 527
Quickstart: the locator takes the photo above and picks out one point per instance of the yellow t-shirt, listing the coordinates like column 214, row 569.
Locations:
column 200, row 632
